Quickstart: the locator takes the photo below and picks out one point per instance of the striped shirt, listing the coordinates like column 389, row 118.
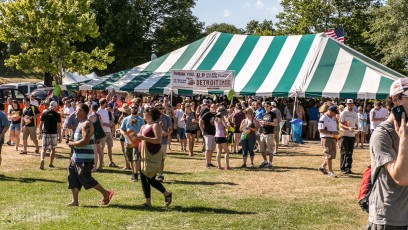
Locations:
column 85, row 153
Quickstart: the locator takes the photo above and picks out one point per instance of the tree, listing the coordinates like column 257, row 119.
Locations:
column 223, row 27
column 264, row 28
column 47, row 32
column 389, row 34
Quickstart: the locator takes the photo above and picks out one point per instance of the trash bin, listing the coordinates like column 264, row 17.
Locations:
column 296, row 126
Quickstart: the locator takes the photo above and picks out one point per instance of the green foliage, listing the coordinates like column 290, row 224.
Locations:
column 264, row 28
column 46, row 31
column 223, row 27
column 389, row 33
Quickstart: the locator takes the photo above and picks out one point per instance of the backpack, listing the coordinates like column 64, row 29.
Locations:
column 367, row 184
column 98, row 130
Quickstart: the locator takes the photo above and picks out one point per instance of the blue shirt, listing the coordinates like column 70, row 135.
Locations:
column 72, row 120
column 4, row 121
column 259, row 113
column 136, row 126
column 313, row 113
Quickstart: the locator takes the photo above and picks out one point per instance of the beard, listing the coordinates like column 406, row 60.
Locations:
column 134, row 113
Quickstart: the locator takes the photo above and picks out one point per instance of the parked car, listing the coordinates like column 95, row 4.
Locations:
column 25, row 87
column 42, row 94
column 6, row 92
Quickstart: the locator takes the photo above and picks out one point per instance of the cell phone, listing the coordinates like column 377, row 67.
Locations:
column 397, row 111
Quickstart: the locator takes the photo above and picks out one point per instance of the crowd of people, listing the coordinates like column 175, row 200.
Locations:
column 252, row 125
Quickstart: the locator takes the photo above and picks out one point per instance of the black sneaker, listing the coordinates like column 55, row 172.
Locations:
column 243, row 166
column 322, row 170
column 160, row 178
column 134, row 178
column 51, row 166
column 9, row 143
column 265, row 163
column 211, row 165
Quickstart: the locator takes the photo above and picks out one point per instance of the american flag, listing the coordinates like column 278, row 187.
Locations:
column 337, row 34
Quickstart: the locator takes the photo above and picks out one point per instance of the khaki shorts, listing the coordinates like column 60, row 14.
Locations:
column 131, row 154
column 209, row 142
column 164, row 150
column 329, row 148
column 30, row 131
column 107, row 140
column 267, row 143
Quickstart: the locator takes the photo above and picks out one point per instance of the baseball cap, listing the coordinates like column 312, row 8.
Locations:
column 205, row 101
column 333, row 109
column 349, row 101
column 399, row 86
column 273, row 104
column 53, row 104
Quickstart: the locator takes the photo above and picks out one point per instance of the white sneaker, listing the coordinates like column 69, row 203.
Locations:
column 331, row 174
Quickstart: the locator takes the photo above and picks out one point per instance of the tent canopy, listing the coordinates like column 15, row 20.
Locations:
column 306, row 65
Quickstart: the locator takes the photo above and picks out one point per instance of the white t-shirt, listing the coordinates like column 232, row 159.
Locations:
column 179, row 115
column 375, row 114
column 69, row 110
column 35, row 102
column 105, row 119
column 351, row 118
column 327, row 123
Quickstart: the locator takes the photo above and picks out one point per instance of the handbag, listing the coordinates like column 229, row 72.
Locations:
column 98, row 130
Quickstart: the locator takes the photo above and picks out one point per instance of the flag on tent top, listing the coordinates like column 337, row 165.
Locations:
column 337, row 34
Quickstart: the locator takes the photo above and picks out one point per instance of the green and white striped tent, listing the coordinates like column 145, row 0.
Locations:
column 306, row 65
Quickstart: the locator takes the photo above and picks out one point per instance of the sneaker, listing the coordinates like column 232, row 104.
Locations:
column 113, row 165
column 268, row 165
column 9, row 143
column 331, row 174
column 252, row 165
column 160, row 178
column 42, row 165
column 243, row 166
column 263, row 164
column 322, row 170
column 51, row 166
column 211, row 165
column 134, row 178
column 207, row 166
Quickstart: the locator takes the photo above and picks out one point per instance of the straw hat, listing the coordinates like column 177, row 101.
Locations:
column 125, row 108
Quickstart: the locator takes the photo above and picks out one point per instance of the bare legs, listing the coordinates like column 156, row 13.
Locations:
column 190, row 141
column 224, row 147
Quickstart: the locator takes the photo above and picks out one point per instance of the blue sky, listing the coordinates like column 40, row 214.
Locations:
column 236, row 12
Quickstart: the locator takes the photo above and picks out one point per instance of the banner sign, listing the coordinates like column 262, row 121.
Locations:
column 197, row 80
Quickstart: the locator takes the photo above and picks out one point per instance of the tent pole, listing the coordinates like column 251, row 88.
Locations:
column 294, row 106
column 365, row 100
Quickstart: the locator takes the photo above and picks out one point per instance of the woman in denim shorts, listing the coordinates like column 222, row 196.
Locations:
column 15, row 123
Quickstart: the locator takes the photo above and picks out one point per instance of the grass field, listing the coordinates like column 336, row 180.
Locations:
column 294, row 195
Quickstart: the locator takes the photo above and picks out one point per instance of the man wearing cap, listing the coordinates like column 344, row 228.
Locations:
column 267, row 139
column 328, row 131
column 166, row 124
column 348, row 124
column 388, row 202
column 50, row 132
column 107, row 124
column 132, row 122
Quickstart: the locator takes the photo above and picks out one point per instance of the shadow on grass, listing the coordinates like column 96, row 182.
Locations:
column 296, row 154
column 28, row 180
column 177, row 173
column 193, row 209
column 199, row 182
column 117, row 170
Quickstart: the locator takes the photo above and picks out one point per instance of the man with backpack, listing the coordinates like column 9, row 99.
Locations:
column 388, row 201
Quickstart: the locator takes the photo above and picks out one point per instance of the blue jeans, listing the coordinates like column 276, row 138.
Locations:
column 248, row 146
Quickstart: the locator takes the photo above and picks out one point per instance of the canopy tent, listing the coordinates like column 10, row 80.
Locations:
column 70, row 78
column 303, row 65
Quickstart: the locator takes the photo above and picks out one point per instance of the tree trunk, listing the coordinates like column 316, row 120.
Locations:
column 48, row 79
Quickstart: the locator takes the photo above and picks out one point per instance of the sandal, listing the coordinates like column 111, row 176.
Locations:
column 23, row 152
column 167, row 200
column 106, row 201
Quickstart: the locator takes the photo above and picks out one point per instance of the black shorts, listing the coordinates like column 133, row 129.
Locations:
column 122, row 138
column 220, row 140
column 116, row 120
column 194, row 131
column 236, row 129
column 79, row 174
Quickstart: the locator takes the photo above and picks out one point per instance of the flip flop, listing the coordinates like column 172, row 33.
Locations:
column 107, row 200
column 167, row 200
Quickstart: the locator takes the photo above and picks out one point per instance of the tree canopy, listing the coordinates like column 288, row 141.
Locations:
column 46, row 33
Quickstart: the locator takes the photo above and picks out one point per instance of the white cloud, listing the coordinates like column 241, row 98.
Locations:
column 259, row 4
column 227, row 13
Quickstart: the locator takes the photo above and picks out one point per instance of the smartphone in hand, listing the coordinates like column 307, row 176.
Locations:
column 397, row 112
